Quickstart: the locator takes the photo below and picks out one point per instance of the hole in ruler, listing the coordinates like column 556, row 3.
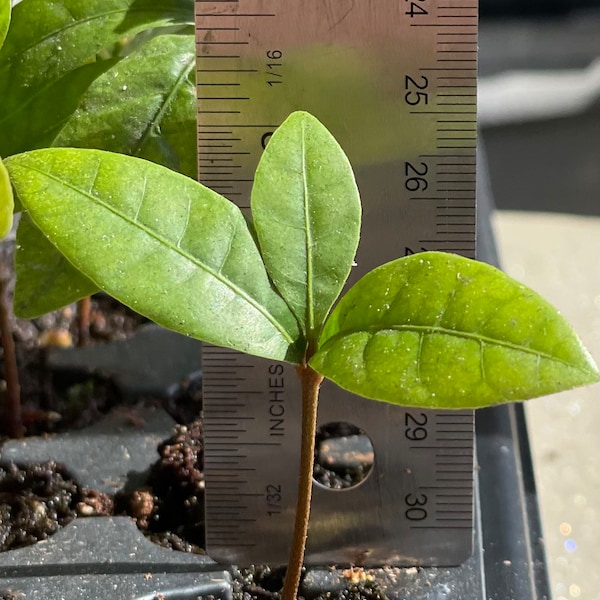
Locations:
column 343, row 456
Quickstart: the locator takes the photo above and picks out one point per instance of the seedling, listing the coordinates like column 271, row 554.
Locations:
column 430, row 330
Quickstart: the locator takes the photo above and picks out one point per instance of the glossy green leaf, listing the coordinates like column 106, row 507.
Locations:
column 144, row 106
column 306, row 211
column 46, row 280
column 439, row 330
column 48, row 41
column 34, row 126
column 6, row 201
column 159, row 242
column 4, row 19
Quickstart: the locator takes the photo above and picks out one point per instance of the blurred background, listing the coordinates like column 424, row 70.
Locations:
column 539, row 111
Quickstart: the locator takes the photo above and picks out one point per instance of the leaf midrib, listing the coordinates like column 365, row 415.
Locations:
column 228, row 283
column 430, row 329
column 308, row 240
column 10, row 59
column 77, row 23
column 158, row 117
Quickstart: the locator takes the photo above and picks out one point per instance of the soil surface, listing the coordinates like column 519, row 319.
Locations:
column 37, row 499
column 169, row 509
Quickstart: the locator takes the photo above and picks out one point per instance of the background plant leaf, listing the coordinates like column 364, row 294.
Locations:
column 46, row 280
column 144, row 106
column 4, row 19
column 439, row 330
column 47, row 41
column 190, row 263
column 306, row 211
column 35, row 126
column 6, row 202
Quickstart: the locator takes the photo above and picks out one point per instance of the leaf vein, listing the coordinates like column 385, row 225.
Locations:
column 94, row 179
column 226, row 254
column 482, row 370
column 430, row 329
column 141, row 202
column 187, row 222
column 76, row 23
column 164, row 105
column 307, row 239
column 420, row 354
column 217, row 275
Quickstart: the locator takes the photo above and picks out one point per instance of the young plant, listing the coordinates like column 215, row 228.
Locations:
column 430, row 330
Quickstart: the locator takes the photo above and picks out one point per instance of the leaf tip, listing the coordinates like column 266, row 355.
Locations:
column 7, row 203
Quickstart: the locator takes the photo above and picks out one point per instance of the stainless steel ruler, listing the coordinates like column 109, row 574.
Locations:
column 395, row 81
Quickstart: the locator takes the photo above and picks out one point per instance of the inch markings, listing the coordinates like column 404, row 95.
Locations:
column 411, row 139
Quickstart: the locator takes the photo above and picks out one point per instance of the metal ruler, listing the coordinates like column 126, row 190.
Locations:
column 395, row 82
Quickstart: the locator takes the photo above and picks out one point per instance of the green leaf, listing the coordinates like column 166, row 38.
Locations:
column 40, row 267
column 189, row 263
column 439, row 330
column 4, row 19
column 306, row 212
column 6, row 201
column 144, row 106
column 48, row 40
column 35, row 126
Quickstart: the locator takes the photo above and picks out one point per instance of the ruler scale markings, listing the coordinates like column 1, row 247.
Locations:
column 224, row 469
column 246, row 392
column 445, row 524
column 448, row 155
column 462, row 471
column 423, row 447
column 265, row 25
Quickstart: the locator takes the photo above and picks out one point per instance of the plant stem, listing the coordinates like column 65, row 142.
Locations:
column 311, row 381
column 83, row 321
column 14, row 418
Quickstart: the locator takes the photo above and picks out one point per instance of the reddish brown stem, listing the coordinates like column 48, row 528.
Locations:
column 84, row 307
column 14, row 419
column 311, row 381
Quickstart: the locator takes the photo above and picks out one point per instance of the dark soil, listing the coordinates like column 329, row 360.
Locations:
column 170, row 508
column 35, row 501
